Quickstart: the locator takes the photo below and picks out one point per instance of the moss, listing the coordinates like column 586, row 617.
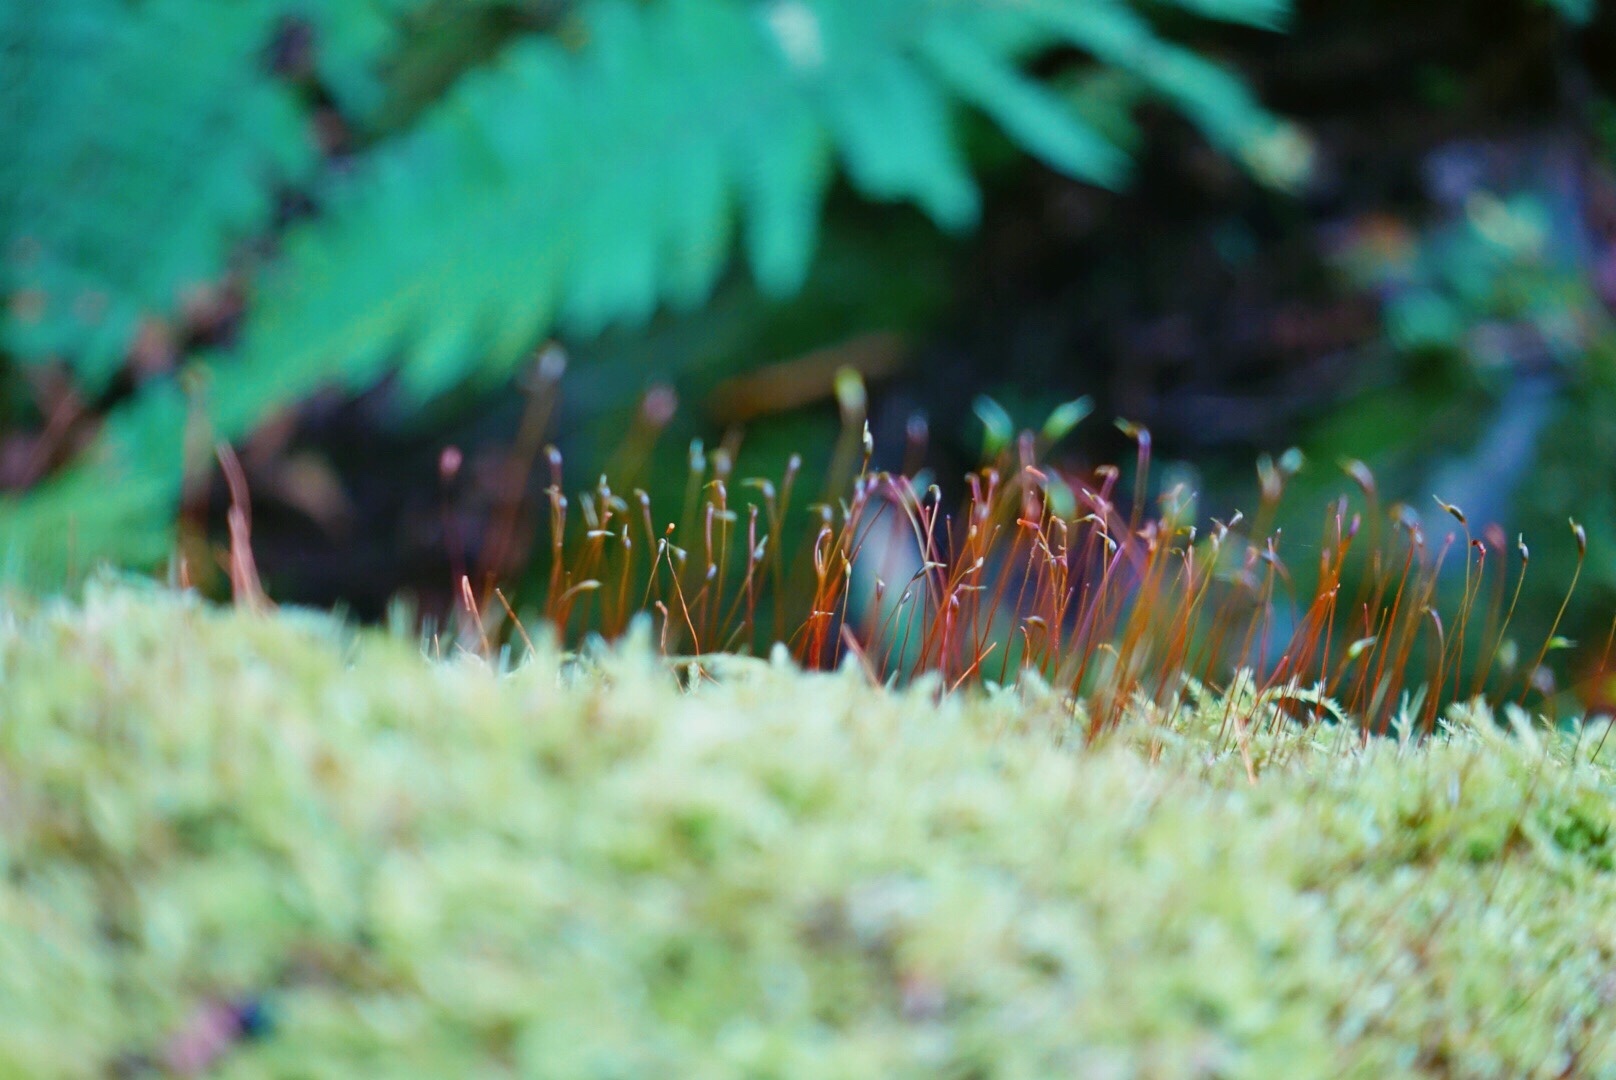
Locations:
column 400, row 867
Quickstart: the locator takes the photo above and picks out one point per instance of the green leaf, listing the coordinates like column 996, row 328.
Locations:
column 1214, row 98
column 1266, row 14
column 892, row 123
column 998, row 429
column 141, row 143
column 1034, row 117
column 578, row 189
column 1066, row 416
column 576, row 181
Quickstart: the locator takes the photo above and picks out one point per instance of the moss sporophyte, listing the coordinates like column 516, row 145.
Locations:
column 1102, row 590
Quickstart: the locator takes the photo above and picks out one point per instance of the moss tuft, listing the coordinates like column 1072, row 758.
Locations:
column 336, row 858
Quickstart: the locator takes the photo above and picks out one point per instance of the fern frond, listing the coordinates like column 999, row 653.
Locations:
column 1264, row 14
column 576, row 189
column 141, row 141
column 381, row 60
column 583, row 180
column 1215, row 99
column 355, row 39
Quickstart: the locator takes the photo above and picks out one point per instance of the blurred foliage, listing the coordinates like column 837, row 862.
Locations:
column 275, row 197
column 1579, row 12
column 1503, row 400
column 141, row 142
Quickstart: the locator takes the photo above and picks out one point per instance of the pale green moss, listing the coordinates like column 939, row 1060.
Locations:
column 426, row 869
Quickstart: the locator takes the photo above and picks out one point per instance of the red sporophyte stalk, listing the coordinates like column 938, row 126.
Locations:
column 1043, row 572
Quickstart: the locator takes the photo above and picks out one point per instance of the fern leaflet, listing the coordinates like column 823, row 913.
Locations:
column 141, row 143
column 575, row 189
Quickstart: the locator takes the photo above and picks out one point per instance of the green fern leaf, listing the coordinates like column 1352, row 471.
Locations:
column 1034, row 117
column 1266, row 14
column 581, row 180
column 577, row 189
column 141, row 143
column 382, row 60
column 354, row 41
column 1216, row 100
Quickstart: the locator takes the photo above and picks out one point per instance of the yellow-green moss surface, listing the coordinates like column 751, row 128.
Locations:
column 427, row 869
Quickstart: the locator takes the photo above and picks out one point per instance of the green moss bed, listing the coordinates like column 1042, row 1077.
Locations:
column 271, row 846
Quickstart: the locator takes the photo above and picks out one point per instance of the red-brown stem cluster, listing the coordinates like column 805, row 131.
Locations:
column 1102, row 597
